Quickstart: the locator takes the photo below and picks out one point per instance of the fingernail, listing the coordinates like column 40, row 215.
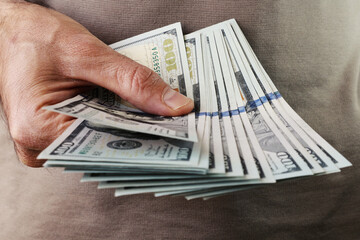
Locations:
column 174, row 100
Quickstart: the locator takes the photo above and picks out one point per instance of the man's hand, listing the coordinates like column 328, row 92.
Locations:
column 46, row 57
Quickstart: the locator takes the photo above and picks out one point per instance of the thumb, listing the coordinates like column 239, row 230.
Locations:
column 132, row 81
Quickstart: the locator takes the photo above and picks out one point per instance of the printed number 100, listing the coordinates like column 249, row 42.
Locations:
column 170, row 58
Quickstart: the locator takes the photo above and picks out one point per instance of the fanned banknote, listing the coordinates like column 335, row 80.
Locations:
column 321, row 147
column 231, row 156
column 286, row 129
column 283, row 159
column 196, row 69
column 216, row 154
column 88, row 141
column 241, row 135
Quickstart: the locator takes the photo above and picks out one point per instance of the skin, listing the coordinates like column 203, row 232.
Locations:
column 46, row 57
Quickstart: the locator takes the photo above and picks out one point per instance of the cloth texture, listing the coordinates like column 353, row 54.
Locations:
column 310, row 49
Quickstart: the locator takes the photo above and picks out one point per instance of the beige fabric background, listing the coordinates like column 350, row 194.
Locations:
column 311, row 50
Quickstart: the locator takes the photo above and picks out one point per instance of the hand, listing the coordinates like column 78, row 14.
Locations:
column 46, row 57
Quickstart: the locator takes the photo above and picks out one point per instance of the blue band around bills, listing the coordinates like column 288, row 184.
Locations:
column 225, row 114
column 241, row 109
column 234, row 112
column 263, row 99
column 270, row 96
column 254, row 104
column 277, row 94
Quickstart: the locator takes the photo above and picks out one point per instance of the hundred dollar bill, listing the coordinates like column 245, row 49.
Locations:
column 154, row 189
column 262, row 168
column 219, row 193
column 233, row 166
column 215, row 192
column 247, row 160
column 113, row 176
column 233, row 91
column 216, row 154
column 288, row 130
column 153, row 183
column 121, row 183
column 182, row 193
column 107, row 177
column 284, row 161
column 317, row 147
column 87, row 171
column 175, row 193
column 322, row 151
column 163, row 51
column 228, row 84
column 196, row 69
column 204, row 93
column 190, row 192
column 285, row 111
column 124, row 168
column 88, row 141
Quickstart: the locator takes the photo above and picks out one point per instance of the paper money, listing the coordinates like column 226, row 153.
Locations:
column 175, row 193
column 161, row 50
column 196, row 69
column 247, row 160
column 217, row 193
column 247, row 135
column 284, row 161
column 232, row 160
column 163, row 182
column 206, row 194
column 272, row 93
column 274, row 112
column 216, row 154
column 88, row 141
column 113, row 177
column 259, row 158
column 129, row 191
column 123, row 168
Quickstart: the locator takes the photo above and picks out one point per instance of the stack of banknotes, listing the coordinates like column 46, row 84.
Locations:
column 242, row 134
